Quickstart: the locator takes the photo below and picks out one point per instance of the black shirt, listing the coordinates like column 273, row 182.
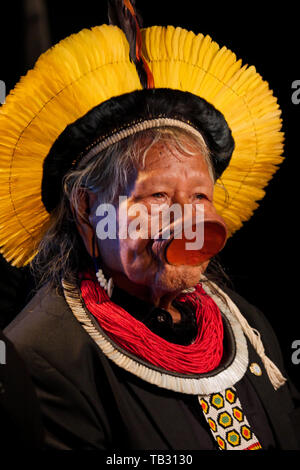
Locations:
column 160, row 322
column 89, row 402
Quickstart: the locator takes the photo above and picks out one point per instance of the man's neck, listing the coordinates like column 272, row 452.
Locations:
column 145, row 293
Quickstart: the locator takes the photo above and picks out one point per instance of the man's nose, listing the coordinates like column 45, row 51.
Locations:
column 181, row 197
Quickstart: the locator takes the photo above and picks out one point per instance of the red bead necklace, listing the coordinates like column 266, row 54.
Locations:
column 202, row 356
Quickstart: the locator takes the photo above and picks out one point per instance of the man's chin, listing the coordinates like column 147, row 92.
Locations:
column 177, row 278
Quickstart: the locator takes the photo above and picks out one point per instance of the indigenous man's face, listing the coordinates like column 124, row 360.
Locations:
column 168, row 177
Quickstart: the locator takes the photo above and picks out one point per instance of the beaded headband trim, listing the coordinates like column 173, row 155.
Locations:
column 106, row 141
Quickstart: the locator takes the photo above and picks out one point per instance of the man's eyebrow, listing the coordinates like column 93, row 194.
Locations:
column 167, row 178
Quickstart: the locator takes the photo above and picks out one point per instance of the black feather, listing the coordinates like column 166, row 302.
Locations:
column 119, row 15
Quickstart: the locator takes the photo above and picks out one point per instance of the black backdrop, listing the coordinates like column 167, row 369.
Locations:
column 262, row 258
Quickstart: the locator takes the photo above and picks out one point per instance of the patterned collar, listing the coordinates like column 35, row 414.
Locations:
column 232, row 368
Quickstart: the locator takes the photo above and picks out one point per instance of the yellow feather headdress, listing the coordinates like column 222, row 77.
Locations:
column 91, row 67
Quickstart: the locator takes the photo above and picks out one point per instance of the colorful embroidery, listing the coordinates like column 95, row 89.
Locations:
column 205, row 405
column 217, row 401
column 227, row 421
column 254, row 446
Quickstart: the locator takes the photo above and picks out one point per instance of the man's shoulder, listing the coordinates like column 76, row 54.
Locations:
column 259, row 321
column 256, row 318
column 45, row 308
column 46, row 326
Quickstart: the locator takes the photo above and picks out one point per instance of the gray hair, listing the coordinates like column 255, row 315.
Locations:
column 109, row 172
column 61, row 253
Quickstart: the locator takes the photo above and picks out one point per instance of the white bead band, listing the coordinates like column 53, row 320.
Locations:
column 108, row 286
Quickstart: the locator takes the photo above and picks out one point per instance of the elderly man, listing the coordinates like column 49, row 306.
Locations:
column 129, row 341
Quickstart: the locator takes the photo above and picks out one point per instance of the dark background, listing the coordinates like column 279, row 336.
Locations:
column 262, row 258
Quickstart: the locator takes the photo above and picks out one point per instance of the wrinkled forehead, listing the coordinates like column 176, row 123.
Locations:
column 169, row 149
column 167, row 166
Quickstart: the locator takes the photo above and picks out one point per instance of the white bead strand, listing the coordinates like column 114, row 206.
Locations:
column 108, row 286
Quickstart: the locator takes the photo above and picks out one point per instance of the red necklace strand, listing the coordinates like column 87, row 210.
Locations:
column 202, row 356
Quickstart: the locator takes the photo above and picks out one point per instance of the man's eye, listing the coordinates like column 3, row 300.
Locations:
column 200, row 196
column 158, row 195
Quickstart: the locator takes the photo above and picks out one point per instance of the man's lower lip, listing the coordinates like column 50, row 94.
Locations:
column 158, row 248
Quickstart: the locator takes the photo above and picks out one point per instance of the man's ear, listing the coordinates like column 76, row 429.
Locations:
column 86, row 201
